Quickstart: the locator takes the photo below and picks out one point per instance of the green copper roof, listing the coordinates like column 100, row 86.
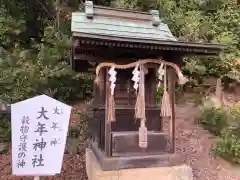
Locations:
column 120, row 23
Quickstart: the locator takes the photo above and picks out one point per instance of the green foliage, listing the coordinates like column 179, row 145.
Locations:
column 224, row 122
column 41, row 67
column 79, row 126
column 228, row 147
column 78, row 132
column 10, row 29
column 214, row 119
column 159, row 96
column 5, row 126
column 235, row 122
column 209, row 21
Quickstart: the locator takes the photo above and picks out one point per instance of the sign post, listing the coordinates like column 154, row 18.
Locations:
column 39, row 132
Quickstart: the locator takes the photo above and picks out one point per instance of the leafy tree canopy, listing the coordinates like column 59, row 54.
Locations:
column 41, row 67
column 212, row 21
column 35, row 55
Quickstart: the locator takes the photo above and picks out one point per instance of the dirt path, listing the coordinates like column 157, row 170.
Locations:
column 194, row 143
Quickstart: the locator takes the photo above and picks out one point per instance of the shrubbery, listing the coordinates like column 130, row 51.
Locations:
column 224, row 121
column 205, row 21
column 41, row 67
column 215, row 120
column 5, row 126
column 229, row 147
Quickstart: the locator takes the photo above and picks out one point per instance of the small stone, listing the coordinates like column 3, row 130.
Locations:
column 187, row 133
column 218, row 168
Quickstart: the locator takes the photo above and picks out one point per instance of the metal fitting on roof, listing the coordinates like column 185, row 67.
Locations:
column 155, row 17
column 89, row 9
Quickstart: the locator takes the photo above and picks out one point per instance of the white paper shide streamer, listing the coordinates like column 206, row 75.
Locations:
column 111, row 103
column 160, row 75
column 112, row 79
column 136, row 78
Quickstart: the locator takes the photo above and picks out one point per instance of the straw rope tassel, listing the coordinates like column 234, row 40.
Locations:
column 181, row 79
column 111, row 109
column 143, row 142
column 166, row 110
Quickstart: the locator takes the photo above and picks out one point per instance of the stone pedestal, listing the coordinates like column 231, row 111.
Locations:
column 95, row 172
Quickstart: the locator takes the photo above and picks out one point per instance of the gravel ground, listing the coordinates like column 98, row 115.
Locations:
column 73, row 169
column 193, row 142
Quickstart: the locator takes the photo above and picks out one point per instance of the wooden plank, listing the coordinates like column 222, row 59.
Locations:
column 171, row 77
column 99, row 94
column 135, row 53
column 107, row 123
column 151, row 86
column 102, row 86
column 125, row 143
column 85, row 57
column 73, row 53
column 204, row 46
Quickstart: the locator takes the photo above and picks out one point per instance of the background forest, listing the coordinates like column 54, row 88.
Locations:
column 35, row 44
column 35, row 41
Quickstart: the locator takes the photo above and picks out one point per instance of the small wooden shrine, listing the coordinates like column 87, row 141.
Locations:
column 133, row 54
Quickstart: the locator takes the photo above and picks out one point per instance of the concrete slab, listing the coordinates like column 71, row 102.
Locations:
column 95, row 172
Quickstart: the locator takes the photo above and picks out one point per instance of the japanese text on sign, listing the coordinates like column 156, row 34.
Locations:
column 39, row 135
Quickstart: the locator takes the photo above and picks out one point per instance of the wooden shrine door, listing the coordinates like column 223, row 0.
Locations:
column 125, row 100
column 124, row 131
column 125, row 95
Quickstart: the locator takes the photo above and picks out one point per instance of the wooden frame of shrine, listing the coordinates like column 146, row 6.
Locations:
column 132, row 54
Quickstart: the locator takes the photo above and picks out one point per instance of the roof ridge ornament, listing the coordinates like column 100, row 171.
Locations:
column 155, row 17
column 89, row 9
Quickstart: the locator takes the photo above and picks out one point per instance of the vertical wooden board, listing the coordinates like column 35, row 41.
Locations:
column 73, row 65
column 171, row 77
column 153, row 87
column 107, row 124
column 98, row 115
column 102, row 92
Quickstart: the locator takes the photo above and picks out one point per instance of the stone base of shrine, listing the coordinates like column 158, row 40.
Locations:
column 95, row 172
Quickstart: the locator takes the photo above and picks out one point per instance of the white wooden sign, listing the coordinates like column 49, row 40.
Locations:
column 39, row 131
